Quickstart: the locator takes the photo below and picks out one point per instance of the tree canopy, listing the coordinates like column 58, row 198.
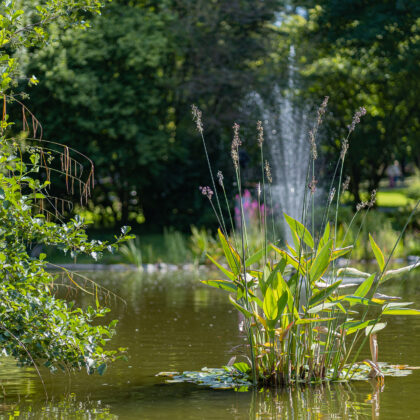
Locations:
column 122, row 91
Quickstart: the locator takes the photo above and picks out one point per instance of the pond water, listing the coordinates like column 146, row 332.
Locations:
column 173, row 323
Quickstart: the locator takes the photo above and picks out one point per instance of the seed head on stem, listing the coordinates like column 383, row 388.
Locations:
column 372, row 200
column 312, row 185
column 197, row 118
column 236, row 142
column 346, row 184
column 331, row 196
column 322, row 109
column 268, row 172
column 344, row 148
column 206, row 191
column 260, row 130
column 220, row 178
column 356, row 118
column 312, row 141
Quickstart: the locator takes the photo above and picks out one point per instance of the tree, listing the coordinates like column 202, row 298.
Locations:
column 35, row 325
column 366, row 54
column 123, row 91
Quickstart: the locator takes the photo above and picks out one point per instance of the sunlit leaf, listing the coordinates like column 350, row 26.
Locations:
column 239, row 307
column 232, row 257
column 300, row 230
column 257, row 256
column 364, row 288
column 323, row 294
column 221, row 284
column 401, row 311
column 298, row 265
column 378, row 253
column 226, row 272
column 322, row 307
column 270, row 304
column 312, row 320
column 321, row 262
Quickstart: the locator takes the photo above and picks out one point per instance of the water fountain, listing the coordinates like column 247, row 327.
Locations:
column 286, row 130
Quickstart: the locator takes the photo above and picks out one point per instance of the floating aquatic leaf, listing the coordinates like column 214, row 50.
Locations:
column 230, row 378
column 225, row 378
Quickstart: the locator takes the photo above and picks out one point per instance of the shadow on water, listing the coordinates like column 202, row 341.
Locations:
column 173, row 323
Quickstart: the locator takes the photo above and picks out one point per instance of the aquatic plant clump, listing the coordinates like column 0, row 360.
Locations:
column 240, row 379
column 303, row 321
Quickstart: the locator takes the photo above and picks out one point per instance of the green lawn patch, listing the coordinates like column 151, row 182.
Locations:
column 392, row 198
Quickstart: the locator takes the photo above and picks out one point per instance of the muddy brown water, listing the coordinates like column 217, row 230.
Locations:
column 173, row 323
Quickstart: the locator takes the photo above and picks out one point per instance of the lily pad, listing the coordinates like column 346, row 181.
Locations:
column 227, row 378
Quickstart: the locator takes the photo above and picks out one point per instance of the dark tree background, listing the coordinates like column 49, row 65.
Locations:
column 122, row 91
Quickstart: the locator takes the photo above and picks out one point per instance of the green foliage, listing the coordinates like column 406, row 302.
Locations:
column 124, row 88
column 364, row 53
column 203, row 243
column 176, row 248
column 35, row 325
column 308, row 335
column 300, row 325
column 131, row 253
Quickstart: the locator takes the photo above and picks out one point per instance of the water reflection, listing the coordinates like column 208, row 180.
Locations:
column 172, row 322
column 65, row 408
column 316, row 402
column 334, row 401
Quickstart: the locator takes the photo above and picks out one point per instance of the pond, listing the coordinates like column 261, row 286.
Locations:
column 173, row 323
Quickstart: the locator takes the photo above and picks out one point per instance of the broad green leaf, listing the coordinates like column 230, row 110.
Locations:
column 321, row 262
column 263, row 278
column 353, row 326
column 293, row 284
column 323, row 294
column 293, row 250
column 242, row 367
column 261, row 320
column 378, row 253
column 353, row 300
column 312, row 320
column 239, row 307
column 227, row 273
column 272, row 278
column 282, row 303
column 300, row 230
column 339, row 252
column 322, row 307
column 364, row 288
column 257, row 256
column 325, row 237
column 270, row 304
column 221, row 284
column 283, row 287
column 401, row 311
column 232, row 257
column 290, row 260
